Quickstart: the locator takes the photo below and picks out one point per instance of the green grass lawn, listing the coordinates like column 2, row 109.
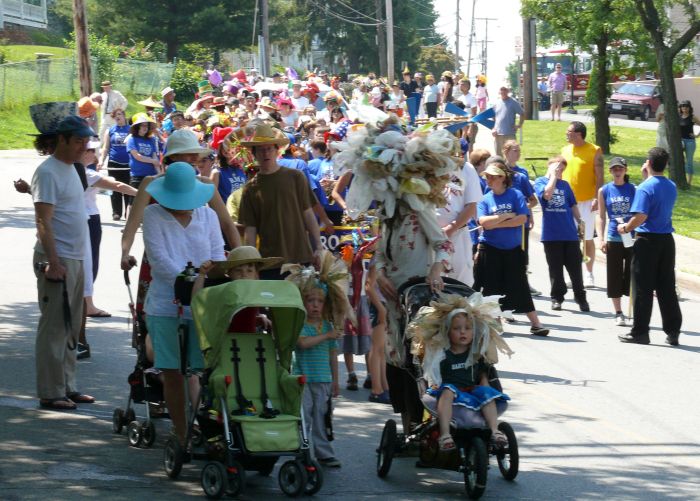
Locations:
column 17, row 53
column 546, row 138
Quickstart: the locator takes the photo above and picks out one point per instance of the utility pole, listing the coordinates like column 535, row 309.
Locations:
column 485, row 42
column 471, row 39
column 381, row 37
column 266, row 38
column 527, row 90
column 389, row 40
column 457, row 65
column 81, row 45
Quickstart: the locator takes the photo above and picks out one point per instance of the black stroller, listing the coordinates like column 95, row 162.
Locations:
column 469, row 430
column 144, row 385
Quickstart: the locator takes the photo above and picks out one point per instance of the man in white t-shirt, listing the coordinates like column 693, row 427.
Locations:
column 470, row 106
column 300, row 102
column 61, row 222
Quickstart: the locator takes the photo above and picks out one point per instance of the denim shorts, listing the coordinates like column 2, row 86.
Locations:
column 166, row 346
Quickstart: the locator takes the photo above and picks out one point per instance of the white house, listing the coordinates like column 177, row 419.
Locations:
column 23, row 12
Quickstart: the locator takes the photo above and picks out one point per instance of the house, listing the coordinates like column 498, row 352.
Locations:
column 30, row 13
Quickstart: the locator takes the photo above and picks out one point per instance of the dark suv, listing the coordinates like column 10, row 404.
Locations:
column 635, row 99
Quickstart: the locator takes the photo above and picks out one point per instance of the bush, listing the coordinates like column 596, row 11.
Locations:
column 104, row 53
column 195, row 53
column 184, row 80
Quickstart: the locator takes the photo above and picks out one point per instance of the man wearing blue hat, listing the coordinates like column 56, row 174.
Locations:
column 61, row 220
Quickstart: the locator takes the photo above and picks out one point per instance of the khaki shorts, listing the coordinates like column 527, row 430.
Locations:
column 558, row 98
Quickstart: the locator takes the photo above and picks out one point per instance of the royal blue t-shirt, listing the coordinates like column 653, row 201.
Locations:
column 230, row 180
column 558, row 223
column 510, row 200
column 313, row 166
column 472, row 223
column 618, row 201
column 520, row 183
column 655, row 197
column 293, row 163
column 522, row 170
column 146, row 146
column 117, row 144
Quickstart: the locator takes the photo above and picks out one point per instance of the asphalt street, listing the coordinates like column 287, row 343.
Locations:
column 595, row 418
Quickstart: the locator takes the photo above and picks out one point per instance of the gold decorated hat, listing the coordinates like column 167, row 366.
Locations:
column 261, row 133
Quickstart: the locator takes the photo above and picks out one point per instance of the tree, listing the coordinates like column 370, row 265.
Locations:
column 435, row 59
column 582, row 25
column 666, row 46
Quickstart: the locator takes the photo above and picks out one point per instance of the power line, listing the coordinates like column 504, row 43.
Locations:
column 325, row 9
column 349, row 7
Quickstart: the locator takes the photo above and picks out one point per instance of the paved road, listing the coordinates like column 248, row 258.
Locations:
column 595, row 418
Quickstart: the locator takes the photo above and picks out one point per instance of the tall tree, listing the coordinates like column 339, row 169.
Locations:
column 591, row 24
column 667, row 45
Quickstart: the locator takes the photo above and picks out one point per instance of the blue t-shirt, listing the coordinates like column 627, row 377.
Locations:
column 618, row 200
column 314, row 166
column 117, row 144
column 655, row 197
column 230, row 180
column 293, row 163
column 523, row 171
column 145, row 146
column 510, row 200
column 520, row 183
column 557, row 216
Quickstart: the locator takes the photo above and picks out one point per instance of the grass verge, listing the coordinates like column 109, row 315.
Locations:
column 546, row 138
column 17, row 53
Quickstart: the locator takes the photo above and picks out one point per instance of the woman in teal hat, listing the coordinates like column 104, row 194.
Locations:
column 177, row 230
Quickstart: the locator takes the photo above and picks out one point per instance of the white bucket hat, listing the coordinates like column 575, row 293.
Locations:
column 166, row 91
column 184, row 141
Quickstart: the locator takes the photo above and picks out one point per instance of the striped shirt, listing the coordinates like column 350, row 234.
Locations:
column 315, row 362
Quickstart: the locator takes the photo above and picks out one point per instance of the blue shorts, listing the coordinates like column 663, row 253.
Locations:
column 166, row 346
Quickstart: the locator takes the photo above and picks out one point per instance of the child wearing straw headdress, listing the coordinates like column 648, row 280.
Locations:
column 325, row 298
column 458, row 340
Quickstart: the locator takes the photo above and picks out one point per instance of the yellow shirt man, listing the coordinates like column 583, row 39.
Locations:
column 580, row 170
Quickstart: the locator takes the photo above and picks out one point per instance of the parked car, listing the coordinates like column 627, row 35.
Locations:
column 635, row 99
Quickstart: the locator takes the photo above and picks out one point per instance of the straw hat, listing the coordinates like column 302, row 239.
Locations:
column 150, row 103
column 141, row 118
column 260, row 133
column 184, row 141
column 266, row 102
column 494, row 170
column 243, row 255
column 179, row 188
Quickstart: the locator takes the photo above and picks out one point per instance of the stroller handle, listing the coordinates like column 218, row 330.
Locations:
column 127, row 281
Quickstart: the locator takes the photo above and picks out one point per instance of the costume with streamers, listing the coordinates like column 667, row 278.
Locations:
column 429, row 333
column 406, row 175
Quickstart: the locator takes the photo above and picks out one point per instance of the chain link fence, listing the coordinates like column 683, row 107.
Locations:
column 47, row 80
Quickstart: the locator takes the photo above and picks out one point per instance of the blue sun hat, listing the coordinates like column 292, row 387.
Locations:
column 179, row 188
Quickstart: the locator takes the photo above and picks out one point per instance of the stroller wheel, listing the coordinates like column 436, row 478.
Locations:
column 476, row 466
column 292, row 478
column 135, row 433
column 508, row 456
column 387, row 447
column 314, row 474
column 117, row 420
column 148, row 433
column 173, row 457
column 236, row 478
column 214, row 480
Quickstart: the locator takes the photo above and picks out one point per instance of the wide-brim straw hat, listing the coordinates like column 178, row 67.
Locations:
column 259, row 134
column 141, row 118
column 150, row 103
column 244, row 254
column 179, row 188
column 184, row 141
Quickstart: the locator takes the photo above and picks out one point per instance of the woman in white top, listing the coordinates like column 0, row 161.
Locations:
column 431, row 96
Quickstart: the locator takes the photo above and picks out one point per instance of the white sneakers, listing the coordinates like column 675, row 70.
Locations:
column 620, row 320
column 588, row 281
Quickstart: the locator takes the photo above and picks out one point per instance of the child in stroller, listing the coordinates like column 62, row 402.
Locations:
column 426, row 320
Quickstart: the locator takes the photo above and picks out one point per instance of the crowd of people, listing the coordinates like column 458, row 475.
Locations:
column 281, row 163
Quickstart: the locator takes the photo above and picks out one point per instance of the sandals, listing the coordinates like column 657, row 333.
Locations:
column 79, row 398
column 539, row 331
column 499, row 439
column 446, row 443
column 58, row 404
column 99, row 314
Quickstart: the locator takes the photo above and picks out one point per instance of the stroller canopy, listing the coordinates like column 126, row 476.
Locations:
column 214, row 307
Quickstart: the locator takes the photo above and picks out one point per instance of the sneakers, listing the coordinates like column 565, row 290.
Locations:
column 539, row 331
column 382, row 398
column 83, row 351
column 556, row 305
column 331, row 462
column 631, row 338
column 367, row 385
column 588, row 281
column 352, row 382
column 620, row 320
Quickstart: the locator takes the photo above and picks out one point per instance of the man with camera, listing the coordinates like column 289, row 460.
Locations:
column 61, row 222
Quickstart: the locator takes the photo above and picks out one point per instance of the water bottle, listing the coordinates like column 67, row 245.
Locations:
column 627, row 239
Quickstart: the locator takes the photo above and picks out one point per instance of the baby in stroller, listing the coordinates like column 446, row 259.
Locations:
column 463, row 366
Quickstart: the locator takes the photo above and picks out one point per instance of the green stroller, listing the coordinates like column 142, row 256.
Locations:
column 253, row 405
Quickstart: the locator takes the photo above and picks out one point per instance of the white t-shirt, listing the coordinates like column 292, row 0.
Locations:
column 431, row 93
column 91, row 193
column 170, row 246
column 300, row 102
column 58, row 184
column 469, row 101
